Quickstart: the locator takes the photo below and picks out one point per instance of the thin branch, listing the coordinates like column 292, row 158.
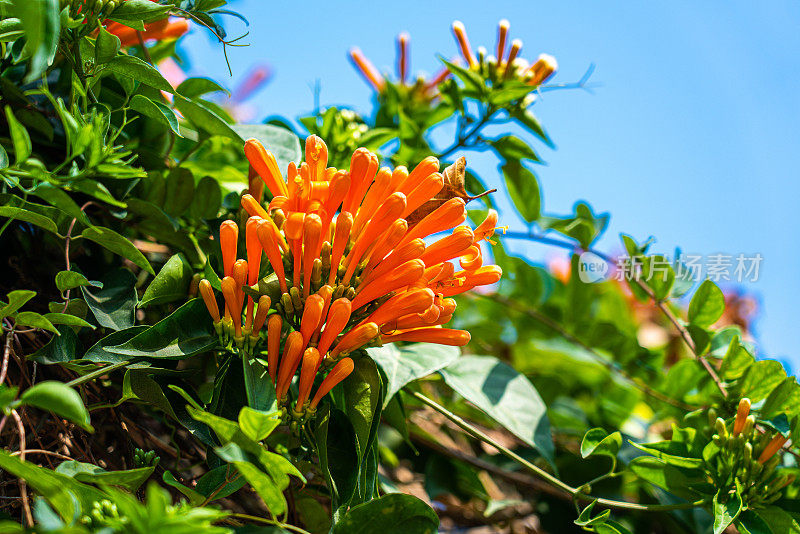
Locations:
column 23, row 487
column 576, row 493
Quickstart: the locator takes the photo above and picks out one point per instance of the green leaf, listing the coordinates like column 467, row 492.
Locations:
column 667, row 455
column 585, row 518
column 170, row 284
column 257, row 425
column 71, row 279
column 511, row 147
column 195, row 497
column 66, row 319
column 42, row 24
column 157, row 111
column 676, row 480
column 707, row 304
column 114, row 306
column 106, row 47
column 29, row 318
column 16, row 299
column 527, row 119
column 60, row 399
column 258, row 385
column 779, row 521
column 3, row 158
column 283, row 144
column 338, row 455
column 68, row 496
column 118, row 245
column 207, row 199
column 130, row 479
column 57, row 197
column 138, row 10
column 21, row 214
column 194, row 87
column 504, row 395
column 363, row 400
column 220, row 482
column 139, row 70
column 395, row 513
column 185, row 332
column 761, row 379
column 179, row 191
column 726, row 510
column 598, row 442
column 472, row 80
column 749, row 523
column 523, row 188
column 657, row 272
column 204, row 118
column 403, row 365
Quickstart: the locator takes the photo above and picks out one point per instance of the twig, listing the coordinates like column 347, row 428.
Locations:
column 145, row 51
column 6, row 354
column 42, row 451
column 23, row 487
column 100, row 372
column 576, row 493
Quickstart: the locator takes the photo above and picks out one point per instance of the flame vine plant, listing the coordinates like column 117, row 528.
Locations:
column 208, row 329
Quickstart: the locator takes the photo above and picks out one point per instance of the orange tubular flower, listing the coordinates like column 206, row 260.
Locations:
column 233, row 303
column 471, row 259
column 424, row 169
column 240, row 277
column 410, row 251
column 210, row 300
column 460, row 34
column 450, row 214
column 265, row 165
column 261, row 314
column 160, row 30
column 442, row 336
column 772, row 447
column 312, row 238
column 292, row 353
column 268, row 240
column 516, row 46
column 404, row 275
column 449, row 247
column 255, row 185
column 341, row 237
column 312, row 313
column 274, row 327
column 414, row 301
column 502, row 33
column 741, row 416
column 308, row 370
column 363, row 166
column 339, row 372
column 228, row 239
column 428, row 188
column 542, row 70
column 338, row 316
column 252, row 207
column 485, row 230
column 402, row 56
column 254, row 251
column 367, row 69
column 355, row 338
column 390, row 210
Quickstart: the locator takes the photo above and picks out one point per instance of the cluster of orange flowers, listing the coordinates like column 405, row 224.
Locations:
column 496, row 67
column 501, row 66
column 347, row 249
column 159, row 30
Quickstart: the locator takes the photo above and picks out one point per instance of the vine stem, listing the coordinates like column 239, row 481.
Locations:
column 99, row 372
column 270, row 522
column 574, row 492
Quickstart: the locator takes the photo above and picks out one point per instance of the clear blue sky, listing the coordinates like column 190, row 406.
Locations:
column 692, row 136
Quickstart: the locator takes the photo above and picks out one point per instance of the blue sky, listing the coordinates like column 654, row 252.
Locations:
column 691, row 135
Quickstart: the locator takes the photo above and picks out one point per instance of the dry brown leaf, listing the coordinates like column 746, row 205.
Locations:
column 454, row 187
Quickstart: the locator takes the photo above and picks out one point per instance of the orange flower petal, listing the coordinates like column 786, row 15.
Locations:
column 267, row 237
column 414, row 301
column 363, row 166
column 316, row 157
column 423, row 170
column 228, row 240
column 502, row 33
column 427, row 188
column 341, row 237
column 233, row 303
column 265, row 165
column 402, row 56
column 274, row 326
column 337, row 318
column 210, row 300
column 355, row 338
column 261, row 314
column 742, row 412
column 385, row 215
column 404, row 275
column 367, row 69
column 449, row 247
column 410, row 251
column 450, row 214
column 308, row 370
column 463, row 43
column 339, row 372
column 312, row 313
column 292, row 353
column 252, row 207
column 434, row 334
column 312, row 237
column 772, row 447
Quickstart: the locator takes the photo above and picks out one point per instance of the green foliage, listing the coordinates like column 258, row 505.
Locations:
column 106, row 182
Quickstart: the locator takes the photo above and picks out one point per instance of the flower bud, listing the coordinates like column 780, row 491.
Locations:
column 311, row 361
column 355, row 338
column 441, row 336
column 261, row 314
column 228, row 239
column 274, row 327
column 292, row 353
column 210, row 300
column 339, row 372
column 741, row 416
